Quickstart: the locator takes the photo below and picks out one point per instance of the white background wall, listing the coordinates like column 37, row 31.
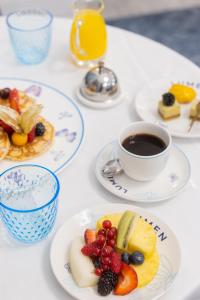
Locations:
column 114, row 8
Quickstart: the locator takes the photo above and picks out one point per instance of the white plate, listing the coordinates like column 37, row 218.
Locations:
column 99, row 105
column 169, row 182
column 146, row 105
column 168, row 248
column 65, row 116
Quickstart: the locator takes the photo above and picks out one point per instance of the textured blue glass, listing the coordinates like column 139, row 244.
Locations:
column 28, row 202
column 30, row 34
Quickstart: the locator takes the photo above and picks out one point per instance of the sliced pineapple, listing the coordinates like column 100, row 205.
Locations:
column 29, row 118
column 114, row 219
column 141, row 237
column 147, row 271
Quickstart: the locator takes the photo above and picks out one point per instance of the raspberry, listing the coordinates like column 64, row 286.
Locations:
column 91, row 249
column 116, row 263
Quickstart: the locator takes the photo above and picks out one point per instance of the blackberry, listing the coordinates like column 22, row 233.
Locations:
column 5, row 93
column 107, row 282
column 39, row 129
column 168, row 99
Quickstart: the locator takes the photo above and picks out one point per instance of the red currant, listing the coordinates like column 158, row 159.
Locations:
column 114, row 230
column 98, row 271
column 106, row 251
column 110, row 234
column 96, row 252
column 105, row 261
column 105, row 267
column 107, row 224
column 111, row 243
column 102, row 232
column 101, row 240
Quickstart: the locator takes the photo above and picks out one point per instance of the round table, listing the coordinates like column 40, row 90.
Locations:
column 25, row 271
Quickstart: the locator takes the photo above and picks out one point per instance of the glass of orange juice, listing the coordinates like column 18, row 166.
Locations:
column 88, row 39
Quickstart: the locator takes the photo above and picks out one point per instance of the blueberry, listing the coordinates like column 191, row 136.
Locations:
column 40, row 129
column 168, row 99
column 5, row 93
column 125, row 258
column 136, row 258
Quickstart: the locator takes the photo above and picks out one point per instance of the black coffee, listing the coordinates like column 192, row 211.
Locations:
column 144, row 144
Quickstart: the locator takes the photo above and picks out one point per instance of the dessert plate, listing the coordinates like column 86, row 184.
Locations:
column 146, row 105
column 168, row 249
column 169, row 182
column 65, row 116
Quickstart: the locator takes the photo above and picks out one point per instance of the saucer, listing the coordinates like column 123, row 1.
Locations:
column 99, row 105
column 167, row 185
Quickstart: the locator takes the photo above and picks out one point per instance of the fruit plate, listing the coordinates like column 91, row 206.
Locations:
column 65, row 116
column 168, row 248
column 146, row 105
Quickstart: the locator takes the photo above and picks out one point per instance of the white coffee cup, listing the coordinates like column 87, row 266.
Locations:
column 143, row 168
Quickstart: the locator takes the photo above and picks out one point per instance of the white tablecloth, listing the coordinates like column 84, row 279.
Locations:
column 25, row 271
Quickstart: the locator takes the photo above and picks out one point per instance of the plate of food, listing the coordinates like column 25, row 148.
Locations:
column 171, row 103
column 38, row 123
column 115, row 250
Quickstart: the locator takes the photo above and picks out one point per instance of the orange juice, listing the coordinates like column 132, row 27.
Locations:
column 88, row 41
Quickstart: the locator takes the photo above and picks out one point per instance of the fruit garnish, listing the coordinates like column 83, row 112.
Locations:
column 116, row 263
column 107, row 224
column 81, row 266
column 183, row 93
column 147, row 271
column 14, row 100
column 106, row 251
column 19, row 139
column 39, row 129
column 124, row 228
column 168, row 99
column 136, row 258
column 91, row 249
column 31, row 135
column 98, row 271
column 10, row 117
column 29, row 118
column 89, row 236
column 127, row 281
column 107, row 283
column 114, row 219
column 4, row 93
column 6, row 128
column 125, row 258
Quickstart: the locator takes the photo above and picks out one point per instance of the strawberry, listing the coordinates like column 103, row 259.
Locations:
column 6, row 127
column 91, row 249
column 127, row 282
column 31, row 135
column 116, row 263
column 90, row 236
column 14, row 100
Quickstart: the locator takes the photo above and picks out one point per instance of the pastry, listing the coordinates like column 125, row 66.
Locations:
column 168, row 107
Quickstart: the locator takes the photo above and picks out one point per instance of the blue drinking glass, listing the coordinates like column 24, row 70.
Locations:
column 28, row 201
column 30, row 33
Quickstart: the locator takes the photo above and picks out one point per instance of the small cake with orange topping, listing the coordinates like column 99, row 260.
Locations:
column 183, row 93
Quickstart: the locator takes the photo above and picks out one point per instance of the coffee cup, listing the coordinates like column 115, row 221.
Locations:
column 142, row 164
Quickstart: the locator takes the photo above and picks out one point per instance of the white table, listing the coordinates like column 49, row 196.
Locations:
column 25, row 270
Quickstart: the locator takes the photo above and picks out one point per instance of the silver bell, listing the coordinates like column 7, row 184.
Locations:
column 100, row 84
